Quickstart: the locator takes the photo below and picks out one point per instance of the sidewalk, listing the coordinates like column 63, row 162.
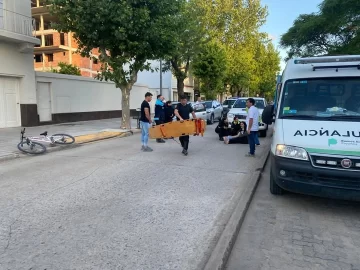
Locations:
column 83, row 132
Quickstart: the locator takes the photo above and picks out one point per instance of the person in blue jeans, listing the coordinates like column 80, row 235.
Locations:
column 252, row 125
column 145, row 121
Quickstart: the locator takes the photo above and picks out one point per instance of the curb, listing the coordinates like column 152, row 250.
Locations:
column 83, row 139
column 220, row 255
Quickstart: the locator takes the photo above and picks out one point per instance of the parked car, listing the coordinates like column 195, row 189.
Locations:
column 239, row 109
column 227, row 104
column 199, row 109
column 214, row 111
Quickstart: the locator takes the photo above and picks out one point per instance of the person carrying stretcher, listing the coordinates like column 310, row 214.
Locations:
column 182, row 112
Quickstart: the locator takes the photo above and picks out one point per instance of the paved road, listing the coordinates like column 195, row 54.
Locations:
column 107, row 205
column 294, row 232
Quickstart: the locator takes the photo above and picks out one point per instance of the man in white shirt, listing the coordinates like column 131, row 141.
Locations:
column 252, row 122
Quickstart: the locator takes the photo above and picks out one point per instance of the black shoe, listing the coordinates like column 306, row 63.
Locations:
column 221, row 139
column 184, row 152
column 160, row 141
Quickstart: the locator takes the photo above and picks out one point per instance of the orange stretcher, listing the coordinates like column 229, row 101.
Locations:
column 176, row 129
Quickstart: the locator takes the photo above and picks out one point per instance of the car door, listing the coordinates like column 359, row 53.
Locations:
column 200, row 111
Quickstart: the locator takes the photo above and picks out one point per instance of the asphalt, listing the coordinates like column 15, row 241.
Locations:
column 296, row 232
column 107, row 205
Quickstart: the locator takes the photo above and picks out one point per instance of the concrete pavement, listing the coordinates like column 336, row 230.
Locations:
column 108, row 205
column 296, row 232
column 83, row 131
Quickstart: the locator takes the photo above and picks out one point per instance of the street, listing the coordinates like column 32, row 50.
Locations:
column 107, row 205
column 297, row 232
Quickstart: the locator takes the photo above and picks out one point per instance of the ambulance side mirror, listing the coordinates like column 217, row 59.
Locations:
column 267, row 115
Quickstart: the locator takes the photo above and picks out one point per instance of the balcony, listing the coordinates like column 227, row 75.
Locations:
column 17, row 28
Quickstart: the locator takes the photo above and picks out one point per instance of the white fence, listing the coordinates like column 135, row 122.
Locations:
column 75, row 94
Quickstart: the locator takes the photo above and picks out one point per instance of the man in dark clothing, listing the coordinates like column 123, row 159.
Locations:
column 182, row 112
column 169, row 112
column 159, row 114
column 145, row 121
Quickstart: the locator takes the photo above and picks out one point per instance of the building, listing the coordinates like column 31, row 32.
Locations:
column 57, row 47
column 169, row 83
column 17, row 76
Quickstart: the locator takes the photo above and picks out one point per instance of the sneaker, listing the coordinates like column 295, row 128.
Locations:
column 142, row 148
column 258, row 144
column 185, row 152
column 148, row 149
column 249, row 155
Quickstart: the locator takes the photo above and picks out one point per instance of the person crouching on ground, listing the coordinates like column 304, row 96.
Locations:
column 182, row 112
column 159, row 114
column 240, row 137
column 235, row 126
column 223, row 128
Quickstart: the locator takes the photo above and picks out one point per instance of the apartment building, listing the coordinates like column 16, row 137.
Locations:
column 17, row 76
column 57, row 47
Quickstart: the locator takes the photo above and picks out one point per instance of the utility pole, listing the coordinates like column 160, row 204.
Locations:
column 160, row 77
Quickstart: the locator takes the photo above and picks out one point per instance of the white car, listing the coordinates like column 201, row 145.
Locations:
column 227, row 104
column 239, row 109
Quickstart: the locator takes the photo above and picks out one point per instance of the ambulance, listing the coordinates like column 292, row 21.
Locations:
column 315, row 147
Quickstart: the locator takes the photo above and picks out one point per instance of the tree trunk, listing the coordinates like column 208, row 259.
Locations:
column 125, row 107
column 180, row 87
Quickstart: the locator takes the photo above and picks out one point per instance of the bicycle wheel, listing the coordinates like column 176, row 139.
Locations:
column 63, row 139
column 33, row 148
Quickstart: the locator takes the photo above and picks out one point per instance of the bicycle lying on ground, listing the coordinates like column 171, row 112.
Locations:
column 32, row 145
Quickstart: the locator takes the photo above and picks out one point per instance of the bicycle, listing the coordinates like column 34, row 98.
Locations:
column 34, row 145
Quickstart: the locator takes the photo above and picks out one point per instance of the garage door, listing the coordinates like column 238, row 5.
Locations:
column 9, row 102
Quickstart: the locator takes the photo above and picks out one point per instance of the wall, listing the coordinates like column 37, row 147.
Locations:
column 19, row 6
column 19, row 65
column 76, row 98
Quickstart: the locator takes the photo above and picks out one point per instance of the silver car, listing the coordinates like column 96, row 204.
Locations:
column 214, row 111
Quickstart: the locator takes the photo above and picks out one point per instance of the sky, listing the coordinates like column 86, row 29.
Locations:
column 282, row 14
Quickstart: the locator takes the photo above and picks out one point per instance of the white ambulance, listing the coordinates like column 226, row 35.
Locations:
column 316, row 142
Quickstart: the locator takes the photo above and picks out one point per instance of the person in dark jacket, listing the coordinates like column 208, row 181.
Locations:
column 240, row 137
column 169, row 112
column 235, row 126
column 223, row 128
column 159, row 113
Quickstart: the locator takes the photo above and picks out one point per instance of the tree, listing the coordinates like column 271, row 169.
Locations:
column 126, row 33
column 334, row 30
column 189, row 39
column 234, row 25
column 67, row 69
column 210, row 67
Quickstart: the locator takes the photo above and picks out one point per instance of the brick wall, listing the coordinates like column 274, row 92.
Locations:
column 85, row 64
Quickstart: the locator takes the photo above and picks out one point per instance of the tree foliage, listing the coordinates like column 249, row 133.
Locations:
column 234, row 26
column 334, row 30
column 126, row 33
column 189, row 39
column 67, row 69
column 210, row 67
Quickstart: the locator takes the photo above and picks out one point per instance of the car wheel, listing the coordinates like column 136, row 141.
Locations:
column 263, row 133
column 212, row 120
column 275, row 189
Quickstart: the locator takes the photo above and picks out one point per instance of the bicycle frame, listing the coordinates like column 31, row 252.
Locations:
column 42, row 138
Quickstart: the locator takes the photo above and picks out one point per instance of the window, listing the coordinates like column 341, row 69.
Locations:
column 49, row 40
column 326, row 99
column 50, row 57
column 240, row 104
column 39, row 38
column 37, row 24
column 47, row 26
column 62, row 39
column 33, row 3
column 199, row 107
column 208, row 104
column 95, row 61
column 38, row 58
